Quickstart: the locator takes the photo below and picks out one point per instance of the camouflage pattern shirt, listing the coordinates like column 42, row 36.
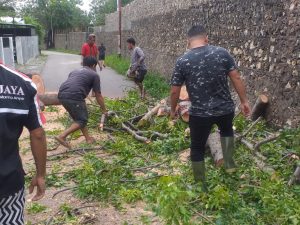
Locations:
column 205, row 72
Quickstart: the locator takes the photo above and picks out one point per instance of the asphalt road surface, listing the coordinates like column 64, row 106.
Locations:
column 59, row 65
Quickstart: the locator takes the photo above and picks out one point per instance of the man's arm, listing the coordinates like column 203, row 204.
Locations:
column 83, row 53
column 175, row 92
column 100, row 101
column 38, row 145
column 240, row 88
column 39, row 151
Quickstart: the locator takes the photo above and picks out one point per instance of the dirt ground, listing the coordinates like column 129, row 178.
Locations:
column 90, row 212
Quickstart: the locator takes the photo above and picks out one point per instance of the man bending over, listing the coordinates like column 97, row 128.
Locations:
column 72, row 94
column 138, row 69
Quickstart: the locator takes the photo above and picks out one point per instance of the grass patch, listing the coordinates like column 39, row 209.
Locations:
column 34, row 208
column 69, row 51
column 120, row 65
column 156, row 85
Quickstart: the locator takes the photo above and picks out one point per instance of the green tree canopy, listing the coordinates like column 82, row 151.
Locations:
column 57, row 14
column 101, row 7
column 7, row 9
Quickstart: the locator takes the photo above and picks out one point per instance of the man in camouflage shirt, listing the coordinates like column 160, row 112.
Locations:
column 205, row 70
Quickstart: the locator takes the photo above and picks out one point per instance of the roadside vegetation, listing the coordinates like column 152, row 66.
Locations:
column 155, row 84
column 158, row 172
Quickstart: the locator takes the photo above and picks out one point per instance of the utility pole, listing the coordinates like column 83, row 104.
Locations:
column 119, row 7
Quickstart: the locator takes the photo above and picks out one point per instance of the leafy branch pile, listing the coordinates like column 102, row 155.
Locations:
column 156, row 174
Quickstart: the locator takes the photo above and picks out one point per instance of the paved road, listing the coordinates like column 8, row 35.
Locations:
column 59, row 65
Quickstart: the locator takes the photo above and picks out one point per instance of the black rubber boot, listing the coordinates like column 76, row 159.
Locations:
column 228, row 151
column 199, row 173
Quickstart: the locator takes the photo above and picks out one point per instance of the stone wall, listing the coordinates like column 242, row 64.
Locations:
column 71, row 40
column 262, row 35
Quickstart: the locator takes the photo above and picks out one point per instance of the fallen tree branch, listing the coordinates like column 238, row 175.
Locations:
column 149, row 115
column 76, row 150
column 262, row 165
column 130, row 131
column 135, row 135
column 136, row 118
column 251, row 127
column 153, row 133
column 73, row 210
column 204, row 217
column 139, row 180
column 63, row 190
column 269, row 139
column 149, row 167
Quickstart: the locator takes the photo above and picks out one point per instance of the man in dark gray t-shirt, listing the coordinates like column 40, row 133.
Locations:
column 205, row 70
column 138, row 69
column 72, row 94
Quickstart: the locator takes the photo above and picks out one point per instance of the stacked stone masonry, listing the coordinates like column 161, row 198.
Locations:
column 262, row 35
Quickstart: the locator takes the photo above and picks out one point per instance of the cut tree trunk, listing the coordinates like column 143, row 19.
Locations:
column 50, row 99
column 38, row 81
column 260, row 107
column 164, row 111
column 215, row 147
column 149, row 115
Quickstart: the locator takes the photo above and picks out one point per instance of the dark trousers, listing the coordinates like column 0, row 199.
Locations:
column 200, row 129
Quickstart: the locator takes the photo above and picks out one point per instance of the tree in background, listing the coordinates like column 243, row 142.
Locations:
column 40, row 30
column 101, row 7
column 7, row 9
column 56, row 15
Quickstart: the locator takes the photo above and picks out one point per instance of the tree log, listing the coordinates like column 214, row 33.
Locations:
column 260, row 107
column 50, row 99
column 38, row 81
column 215, row 147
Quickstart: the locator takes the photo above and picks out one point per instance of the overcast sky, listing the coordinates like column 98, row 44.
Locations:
column 85, row 5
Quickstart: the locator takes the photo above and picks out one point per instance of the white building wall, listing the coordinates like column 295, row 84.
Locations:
column 27, row 48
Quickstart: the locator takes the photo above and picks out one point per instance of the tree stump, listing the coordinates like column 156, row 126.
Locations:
column 260, row 106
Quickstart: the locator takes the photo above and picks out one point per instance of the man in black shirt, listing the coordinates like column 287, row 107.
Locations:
column 205, row 70
column 72, row 94
column 18, row 108
column 101, row 50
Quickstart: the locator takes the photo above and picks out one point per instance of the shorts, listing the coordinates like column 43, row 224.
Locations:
column 77, row 110
column 140, row 75
column 12, row 209
column 102, row 57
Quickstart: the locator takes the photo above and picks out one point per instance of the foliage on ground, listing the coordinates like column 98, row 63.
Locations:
column 154, row 173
